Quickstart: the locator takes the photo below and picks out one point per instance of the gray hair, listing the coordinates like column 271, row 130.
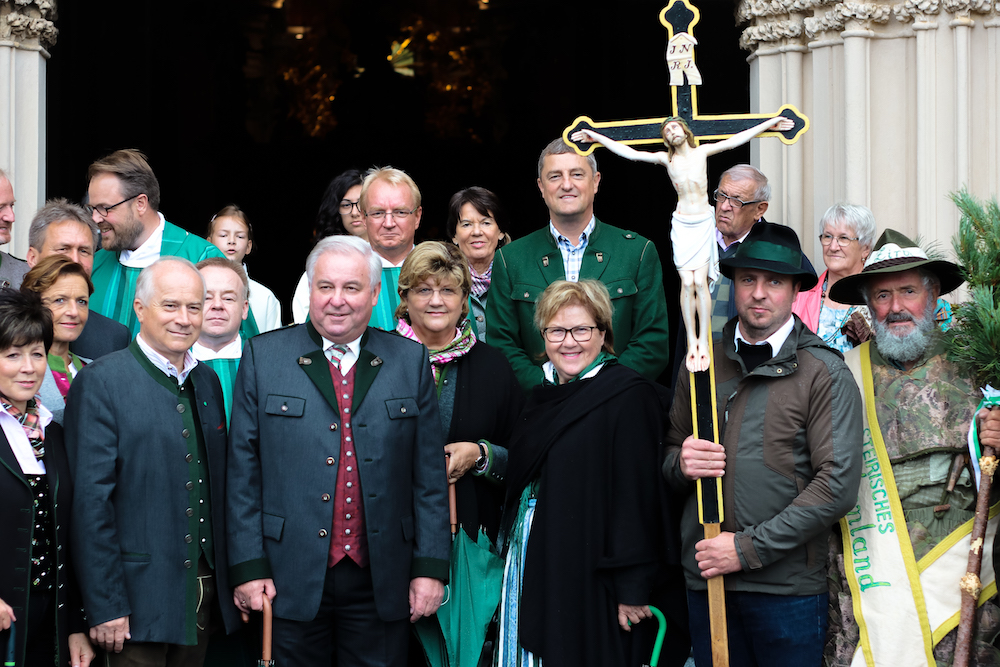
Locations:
column 59, row 210
column 3, row 175
column 345, row 245
column 560, row 147
column 145, row 285
column 930, row 280
column 748, row 172
column 859, row 219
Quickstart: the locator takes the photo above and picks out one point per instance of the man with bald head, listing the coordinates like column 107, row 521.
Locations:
column 63, row 228
column 12, row 269
column 146, row 438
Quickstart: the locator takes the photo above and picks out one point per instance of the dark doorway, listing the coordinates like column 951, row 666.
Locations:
column 262, row 102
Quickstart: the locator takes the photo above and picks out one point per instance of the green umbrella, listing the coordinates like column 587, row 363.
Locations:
column 457, row 636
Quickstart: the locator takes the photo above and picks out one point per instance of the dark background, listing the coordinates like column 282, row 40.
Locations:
column 230, row 107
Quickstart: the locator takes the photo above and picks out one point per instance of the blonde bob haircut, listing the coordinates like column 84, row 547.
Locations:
column 591, row 295
column 434, row 259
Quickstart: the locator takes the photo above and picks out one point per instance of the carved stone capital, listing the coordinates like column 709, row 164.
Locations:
column 29, row 21
column 837, row 18
column 751, row 9
column 974, row 6
column 770, row 31
column 915, row 10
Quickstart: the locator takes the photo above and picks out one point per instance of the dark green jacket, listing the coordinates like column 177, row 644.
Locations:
column 792, row 433
column 625, row 262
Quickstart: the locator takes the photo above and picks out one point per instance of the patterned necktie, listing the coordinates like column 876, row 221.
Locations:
column 335, row 353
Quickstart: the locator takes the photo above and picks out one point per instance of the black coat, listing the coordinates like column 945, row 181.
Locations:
column 597, row 538
column 488, row 400
column 102, row 335
column 16, row 525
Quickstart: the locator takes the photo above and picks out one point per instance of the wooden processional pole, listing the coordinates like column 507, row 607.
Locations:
column 706, row 427
column 679, row 18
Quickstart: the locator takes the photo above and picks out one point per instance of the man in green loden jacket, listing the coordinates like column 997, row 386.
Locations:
column 576, row 246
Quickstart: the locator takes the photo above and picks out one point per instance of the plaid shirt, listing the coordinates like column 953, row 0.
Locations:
column 572, row 255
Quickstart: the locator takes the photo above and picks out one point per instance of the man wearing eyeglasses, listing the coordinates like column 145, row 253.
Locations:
column 124, row 202
column 740, row 202
column 12, row 269
column 390, row 204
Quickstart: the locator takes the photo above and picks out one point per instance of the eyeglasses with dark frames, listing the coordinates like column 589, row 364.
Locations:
column 735, row 202
column 580, row 334
column 103, row 210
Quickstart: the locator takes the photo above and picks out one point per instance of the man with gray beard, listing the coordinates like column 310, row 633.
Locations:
column 904, row 547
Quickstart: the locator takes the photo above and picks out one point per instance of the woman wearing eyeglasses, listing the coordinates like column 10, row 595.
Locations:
column 478, row 396
column 583, row 519
column 339, row 213
column 848, row 233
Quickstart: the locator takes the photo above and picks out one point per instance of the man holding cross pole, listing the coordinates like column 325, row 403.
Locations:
column 790, row 461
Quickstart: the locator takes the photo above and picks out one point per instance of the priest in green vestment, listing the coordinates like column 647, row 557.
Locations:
column 220, row 345
column 124, row 200
column 390, row 202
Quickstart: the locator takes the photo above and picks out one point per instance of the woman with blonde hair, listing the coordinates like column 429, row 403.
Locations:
column 583, row 525
column 478, row 396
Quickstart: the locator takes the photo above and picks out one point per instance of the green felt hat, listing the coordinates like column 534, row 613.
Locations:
column 771, row 247
column 895, row 253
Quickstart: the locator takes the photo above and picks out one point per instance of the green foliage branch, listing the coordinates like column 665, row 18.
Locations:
column 974, row 342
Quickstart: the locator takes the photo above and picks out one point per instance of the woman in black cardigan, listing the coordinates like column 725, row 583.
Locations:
column 478, row 395
column 37, row 588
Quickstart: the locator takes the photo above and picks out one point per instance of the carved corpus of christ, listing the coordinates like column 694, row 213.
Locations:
column 692, row 226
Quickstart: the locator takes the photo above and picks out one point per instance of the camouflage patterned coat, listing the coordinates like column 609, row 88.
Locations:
column 924, row 415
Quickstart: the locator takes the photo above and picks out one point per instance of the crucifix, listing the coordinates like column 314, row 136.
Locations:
column 692, row 231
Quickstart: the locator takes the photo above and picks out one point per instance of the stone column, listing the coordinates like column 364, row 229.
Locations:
column 26, row 34
column 925, row 30
column 903, row 98
column 992, row 97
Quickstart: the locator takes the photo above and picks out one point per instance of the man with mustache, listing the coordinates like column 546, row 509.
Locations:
column 906, row 542
column 124, row 201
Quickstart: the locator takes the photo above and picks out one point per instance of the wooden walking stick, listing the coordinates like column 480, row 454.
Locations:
column 265, row 649
column 973, row 345
column 970, row 584
column 703, row 416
